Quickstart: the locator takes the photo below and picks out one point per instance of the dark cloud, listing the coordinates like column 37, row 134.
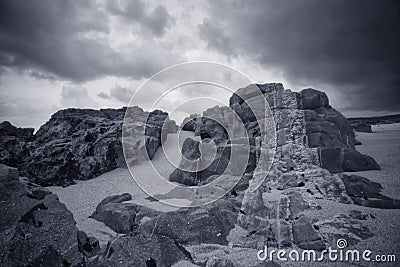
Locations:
column 152, row 20
column 216, row 38
column 350, row 46
column 121, row 93
column 65, row 38
column 103, row 95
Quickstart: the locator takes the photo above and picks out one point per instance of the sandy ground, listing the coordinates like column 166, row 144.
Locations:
column 82, row 198
column 383, row 144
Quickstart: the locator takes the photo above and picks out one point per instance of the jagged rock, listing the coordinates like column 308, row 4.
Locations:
column 189, row 123
column 187, row 226
column 187, row 173
column 88, row 246
column 12, row 144
column 346, row 160
column 367, row 193
column 119, row 216
column 7, row 129
column 362, row 127
column 34, row 232
column 82, row 143
column 312, row 99
column 217, row 163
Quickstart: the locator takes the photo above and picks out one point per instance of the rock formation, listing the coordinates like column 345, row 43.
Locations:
column 79, row 144
column 303, row 119
column 314, row 142
column 361, row 127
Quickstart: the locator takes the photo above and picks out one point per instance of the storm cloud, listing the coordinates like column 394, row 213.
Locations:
column 348, row 46
column 60, row 53
column 68, row 39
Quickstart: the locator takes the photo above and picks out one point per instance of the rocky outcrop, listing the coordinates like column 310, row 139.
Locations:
column 302, row 119
column 361, row 127
column 34, row 231
column 13, row 141
column 308, row 132
column 187, row 226
column 367, row 193
column 388, row 119
column 160, row 237
column 82, row 143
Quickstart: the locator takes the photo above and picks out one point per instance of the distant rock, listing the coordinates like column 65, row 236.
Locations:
column 342, row 159
column 367, row 193
column 362, row 127
column 386, row 119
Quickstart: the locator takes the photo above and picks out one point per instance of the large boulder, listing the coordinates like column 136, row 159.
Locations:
column 362, row 127
column 119, row 216
column 312, row 99
column 342, row 159
column 210, row 224
column 367, row 193
column 35, row 232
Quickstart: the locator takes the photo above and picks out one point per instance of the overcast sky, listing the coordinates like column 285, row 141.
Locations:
column 58, row 53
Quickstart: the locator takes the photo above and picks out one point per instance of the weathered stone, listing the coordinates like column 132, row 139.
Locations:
column 187, row 226
column 12, row 144
column 146, row 250
column 312, row 99
column 88, row 246
column 367, row 193
column 362, row 127
column 341, row 226
column 82, row 143
column 305, row 236
column 121, row 217
column 189, row 123
column 346, row 160
column 35, row 232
